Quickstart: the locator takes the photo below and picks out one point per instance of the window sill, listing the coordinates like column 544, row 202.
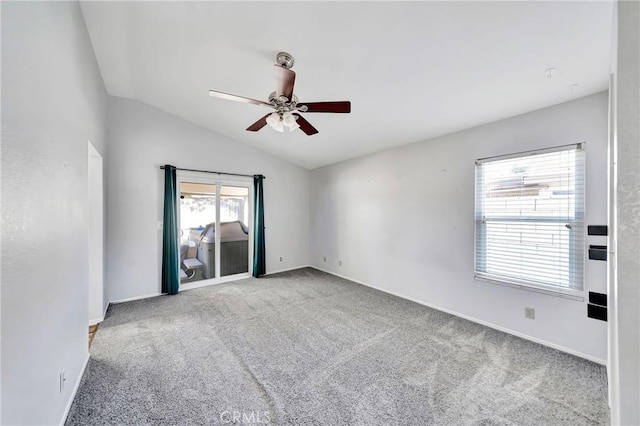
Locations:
column 562, row 293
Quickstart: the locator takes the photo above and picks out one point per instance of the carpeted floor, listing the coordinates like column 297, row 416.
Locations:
column 308, row 348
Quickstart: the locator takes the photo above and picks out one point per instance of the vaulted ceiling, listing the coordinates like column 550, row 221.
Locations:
column 412, row 70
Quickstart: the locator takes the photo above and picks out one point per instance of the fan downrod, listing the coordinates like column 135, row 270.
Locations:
column 284, row 59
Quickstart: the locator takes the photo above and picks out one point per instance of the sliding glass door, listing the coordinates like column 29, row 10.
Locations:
column 215, row 221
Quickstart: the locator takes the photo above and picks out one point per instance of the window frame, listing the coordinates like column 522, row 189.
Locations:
column 480, row 229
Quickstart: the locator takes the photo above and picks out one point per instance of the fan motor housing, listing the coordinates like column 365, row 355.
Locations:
column 282, row 104
column 284, row 59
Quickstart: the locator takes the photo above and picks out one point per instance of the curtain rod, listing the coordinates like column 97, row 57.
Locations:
column 215, row 173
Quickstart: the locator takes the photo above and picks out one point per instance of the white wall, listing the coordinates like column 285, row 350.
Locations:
column 625, row 216
column 53, row 102
column 141, row 138
column 402, row 220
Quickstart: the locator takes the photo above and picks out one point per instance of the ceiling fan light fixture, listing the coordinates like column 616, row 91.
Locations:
column 285, row 102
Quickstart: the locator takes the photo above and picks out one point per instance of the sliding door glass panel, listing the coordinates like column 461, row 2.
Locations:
column 234, row 230
column 197, row 231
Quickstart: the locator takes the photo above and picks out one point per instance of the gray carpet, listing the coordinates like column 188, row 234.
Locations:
column 307, row 348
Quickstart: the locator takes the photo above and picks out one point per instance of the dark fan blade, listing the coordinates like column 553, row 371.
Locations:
column 305, row 126
column 258, row 124
column 340, row 106
column 285, row 78
column 237, row 98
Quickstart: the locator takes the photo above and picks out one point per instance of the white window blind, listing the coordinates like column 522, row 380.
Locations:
column 530, row 218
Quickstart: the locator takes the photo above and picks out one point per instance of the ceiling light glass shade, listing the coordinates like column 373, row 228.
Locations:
column 275, row 122
column 289, row 120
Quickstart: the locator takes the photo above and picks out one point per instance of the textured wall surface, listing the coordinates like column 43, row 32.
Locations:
column 53, row 102
column 627, row 187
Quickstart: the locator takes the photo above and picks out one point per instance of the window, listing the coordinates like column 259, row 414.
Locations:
column 529, row 218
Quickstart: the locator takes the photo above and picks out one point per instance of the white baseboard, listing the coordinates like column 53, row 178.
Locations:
column 477, row 321
column 74, row 391
column 288, row 269
column 130, row 299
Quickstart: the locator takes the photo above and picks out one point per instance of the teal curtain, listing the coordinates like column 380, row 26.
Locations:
column 259, row 267
column 170, row 263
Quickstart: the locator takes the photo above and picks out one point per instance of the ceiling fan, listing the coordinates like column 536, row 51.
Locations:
column 285, row 103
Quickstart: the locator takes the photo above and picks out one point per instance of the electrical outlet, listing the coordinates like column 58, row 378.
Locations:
column 340, row 262
column 530, row 313
column 280, row 258
column 325, row 259
column 63, row 378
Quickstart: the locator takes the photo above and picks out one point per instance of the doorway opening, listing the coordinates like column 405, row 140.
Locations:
column 215, row 229
column 97, row 297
